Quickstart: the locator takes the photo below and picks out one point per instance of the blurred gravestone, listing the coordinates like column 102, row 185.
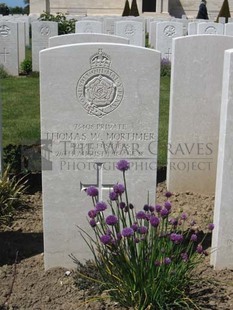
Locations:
column 41, row 32
column 9, row 50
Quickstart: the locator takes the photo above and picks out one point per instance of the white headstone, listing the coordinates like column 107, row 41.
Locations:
column 132, row 30
column 9, row 53
column 210, row 28
column 41, row 32
column 98, row 111
column 185, row 23
column 89, row 26
column 192, row 28
column 26, row 20
column 195, row 102
column 222, row 239
column 165, row 32
column 85, row 38
column 228, row 29
column 22, row 41
column 108, row 24
column 152, row 34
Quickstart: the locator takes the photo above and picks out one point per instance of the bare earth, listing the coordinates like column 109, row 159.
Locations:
column 25, row 285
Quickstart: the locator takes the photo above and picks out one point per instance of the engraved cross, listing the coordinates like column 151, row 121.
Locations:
column 168, row 54
column 5, row 53
column 99, row 182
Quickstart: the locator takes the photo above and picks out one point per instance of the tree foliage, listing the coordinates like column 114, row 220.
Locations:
column 4, row 10
column 134, row 9
column 126, row 10
column 64, row 26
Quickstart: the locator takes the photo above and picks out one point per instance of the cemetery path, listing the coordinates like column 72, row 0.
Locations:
column 24, row 285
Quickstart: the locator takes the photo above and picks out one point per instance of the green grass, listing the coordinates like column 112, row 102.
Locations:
column 21, row 113
column 163, row 120
column 20, row 110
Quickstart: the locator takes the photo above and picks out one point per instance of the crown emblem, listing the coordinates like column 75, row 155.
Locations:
column 100, row 59
column 4, row 30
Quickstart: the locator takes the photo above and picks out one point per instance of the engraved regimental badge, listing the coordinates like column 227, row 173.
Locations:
column 4, row 30
column 99, row 90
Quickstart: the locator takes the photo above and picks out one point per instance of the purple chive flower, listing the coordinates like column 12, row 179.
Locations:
column 154, row 220
column 134, row 227
column 122, row 205
column 167, row 260
column 111, row 220
column 113, row 196
column 193, row 238
column 173, row 221
column 167, row 205
column 157, row 263
column 148, row 217
column 92, row 213
column 119, row 236
column 199, row 249
column 151, row 208
column 92, row 191
column 119, row 188
column 176, row 238
column 168, row 194
column 100, row 206
column 173, row 236
column 164, row 212
column 211, row 226
column 179, row 238
column 184, row 216
column 106, row 239
column 131, row 206
column 142, row 230
column 92, row 223
column 122, row 165
column 184, row 256
column 146, row 208
column 127, row 232
column 193, row 223
column 136, row 240
column 158, row 208
column 141, row 215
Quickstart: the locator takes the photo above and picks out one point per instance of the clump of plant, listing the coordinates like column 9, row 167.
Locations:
column 64, row 26
column 165, row 67
column 3, row 73
column 26, row 66
column 144, row 258
column 11, row 191
column 147, row 44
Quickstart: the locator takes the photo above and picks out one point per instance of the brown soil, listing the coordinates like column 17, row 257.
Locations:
column 25, row 285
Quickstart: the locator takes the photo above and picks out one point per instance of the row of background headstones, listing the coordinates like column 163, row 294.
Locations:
column 195, row 104
column 160, row 34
